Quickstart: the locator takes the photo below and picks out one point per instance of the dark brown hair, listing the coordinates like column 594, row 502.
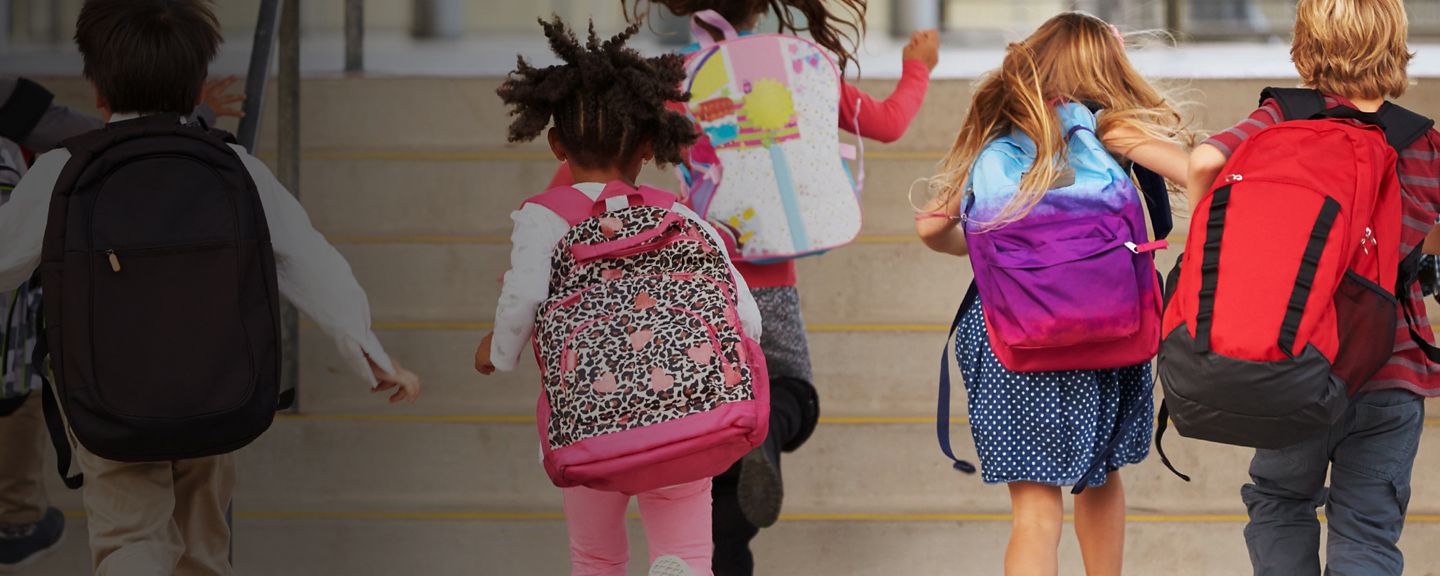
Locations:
column 148, row 55
column 838, row 32
column 605, row 99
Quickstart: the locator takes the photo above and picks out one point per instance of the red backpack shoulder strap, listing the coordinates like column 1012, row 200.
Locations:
column 571, row 204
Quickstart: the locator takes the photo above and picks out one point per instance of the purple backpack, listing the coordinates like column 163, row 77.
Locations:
column 1072, row 285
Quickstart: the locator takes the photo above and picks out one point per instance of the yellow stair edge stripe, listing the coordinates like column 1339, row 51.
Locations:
column 528, row 419
column 558, row 516
column 466, row 240
column 456, row 326
column 498, row 154
column 814, row 328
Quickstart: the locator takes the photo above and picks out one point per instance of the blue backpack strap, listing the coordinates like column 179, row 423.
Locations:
column 942, row 412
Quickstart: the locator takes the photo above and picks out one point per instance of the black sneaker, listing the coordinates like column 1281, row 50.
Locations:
column 761, row 492
column 25, row 544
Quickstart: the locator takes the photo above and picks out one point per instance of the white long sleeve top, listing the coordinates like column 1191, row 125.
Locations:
column 537, row 231
column 312, row 274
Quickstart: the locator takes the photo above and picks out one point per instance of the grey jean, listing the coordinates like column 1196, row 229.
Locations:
column 1369, row 453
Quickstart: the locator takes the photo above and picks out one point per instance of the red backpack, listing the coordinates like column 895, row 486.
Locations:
column 1289, row 295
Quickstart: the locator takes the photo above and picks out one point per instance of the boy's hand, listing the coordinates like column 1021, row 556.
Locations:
column 925, row 47
column 483, row 364
column 215, row 95
column 407, row 382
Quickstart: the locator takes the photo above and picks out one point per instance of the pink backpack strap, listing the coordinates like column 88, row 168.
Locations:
column 571, row 204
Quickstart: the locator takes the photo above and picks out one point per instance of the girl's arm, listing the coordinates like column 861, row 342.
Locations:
column 526, row 284
column 887, row 120
column 938, row 227
column 1163, row 157
column 1206, row 162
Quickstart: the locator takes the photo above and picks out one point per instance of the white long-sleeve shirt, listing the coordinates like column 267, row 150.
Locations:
column 312, row 274
column 537, row 231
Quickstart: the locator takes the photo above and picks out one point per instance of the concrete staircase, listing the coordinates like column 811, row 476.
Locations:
column 411, row 177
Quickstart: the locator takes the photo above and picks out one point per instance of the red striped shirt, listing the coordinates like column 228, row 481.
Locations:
column 1408, row 368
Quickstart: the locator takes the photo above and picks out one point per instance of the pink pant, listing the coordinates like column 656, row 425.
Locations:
column 677, row 523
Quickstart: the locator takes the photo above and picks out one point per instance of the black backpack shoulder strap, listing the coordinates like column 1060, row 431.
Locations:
column 1403, row 127
column 1295, row 103
column 1152, row 188
column 23, row 110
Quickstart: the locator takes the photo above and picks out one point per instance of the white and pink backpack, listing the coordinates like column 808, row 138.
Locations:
column 648, row 378
column 769, row 166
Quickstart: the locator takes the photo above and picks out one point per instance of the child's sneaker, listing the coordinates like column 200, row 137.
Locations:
column 24, row 544
column 670, row 566
column 761, row 491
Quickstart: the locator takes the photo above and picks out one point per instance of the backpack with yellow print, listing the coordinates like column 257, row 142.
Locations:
column 769, row 166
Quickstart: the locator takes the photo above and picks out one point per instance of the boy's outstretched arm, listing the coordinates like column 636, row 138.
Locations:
column 1206, row 162
column 317, row 280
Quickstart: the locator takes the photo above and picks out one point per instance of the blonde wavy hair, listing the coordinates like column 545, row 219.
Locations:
column 1354, row 48
column 1073, row 56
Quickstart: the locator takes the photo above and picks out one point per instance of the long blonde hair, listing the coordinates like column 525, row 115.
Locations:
column 1073, row 56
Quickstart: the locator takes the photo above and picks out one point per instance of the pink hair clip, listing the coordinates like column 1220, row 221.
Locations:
column 1116, row 31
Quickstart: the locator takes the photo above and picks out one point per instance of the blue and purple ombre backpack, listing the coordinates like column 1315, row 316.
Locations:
column 1072, row 285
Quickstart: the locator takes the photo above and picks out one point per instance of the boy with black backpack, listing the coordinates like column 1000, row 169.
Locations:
column 1352, row 54
column 31, row 121
column 163, row 256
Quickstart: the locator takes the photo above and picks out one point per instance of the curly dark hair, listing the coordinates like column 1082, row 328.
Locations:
column 605, row 99
column 838, row 31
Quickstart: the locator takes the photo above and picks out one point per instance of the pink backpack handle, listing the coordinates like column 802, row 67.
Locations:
column 576, row 207
column 715, row 20
column 625, row 246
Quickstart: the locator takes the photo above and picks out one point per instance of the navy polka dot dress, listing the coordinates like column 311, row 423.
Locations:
column 1049, row 427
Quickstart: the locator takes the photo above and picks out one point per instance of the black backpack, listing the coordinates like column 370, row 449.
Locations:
column 162, row 315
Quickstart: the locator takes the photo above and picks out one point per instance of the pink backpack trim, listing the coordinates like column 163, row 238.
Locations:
column 576, row 207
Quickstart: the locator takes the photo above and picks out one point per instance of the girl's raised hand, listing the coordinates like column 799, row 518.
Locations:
column 216, row 94
column 483, row 364
column 925, row 47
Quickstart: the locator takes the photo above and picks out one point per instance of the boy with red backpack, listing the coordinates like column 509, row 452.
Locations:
column 1353, row 55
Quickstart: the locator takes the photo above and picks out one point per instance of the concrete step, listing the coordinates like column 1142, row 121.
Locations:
column 884, row 374
column 464, row 113
column 395, row 196
column 319, row 464
column 441, row 547
column 885, row 283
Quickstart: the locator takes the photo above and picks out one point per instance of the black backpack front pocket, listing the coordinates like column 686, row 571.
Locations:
column 169, row 338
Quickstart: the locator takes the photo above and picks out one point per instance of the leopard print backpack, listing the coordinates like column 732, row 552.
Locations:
column 648, row 378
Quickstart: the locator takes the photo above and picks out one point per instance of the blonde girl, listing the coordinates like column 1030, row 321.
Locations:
column 1039, row 431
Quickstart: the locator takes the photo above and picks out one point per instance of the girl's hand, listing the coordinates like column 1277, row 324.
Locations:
column 483, row 364
column 925, row 47
column 407, row 382
column 215, row 94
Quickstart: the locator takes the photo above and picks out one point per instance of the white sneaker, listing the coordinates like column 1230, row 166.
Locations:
column 670, row 566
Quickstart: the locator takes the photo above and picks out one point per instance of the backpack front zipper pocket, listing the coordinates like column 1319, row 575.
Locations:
column 168, row 332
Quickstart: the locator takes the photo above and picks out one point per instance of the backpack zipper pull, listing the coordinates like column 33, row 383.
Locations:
column 114, row 260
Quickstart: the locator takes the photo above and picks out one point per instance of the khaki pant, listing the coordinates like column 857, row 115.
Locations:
column 23, row 442
column 158, row 518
